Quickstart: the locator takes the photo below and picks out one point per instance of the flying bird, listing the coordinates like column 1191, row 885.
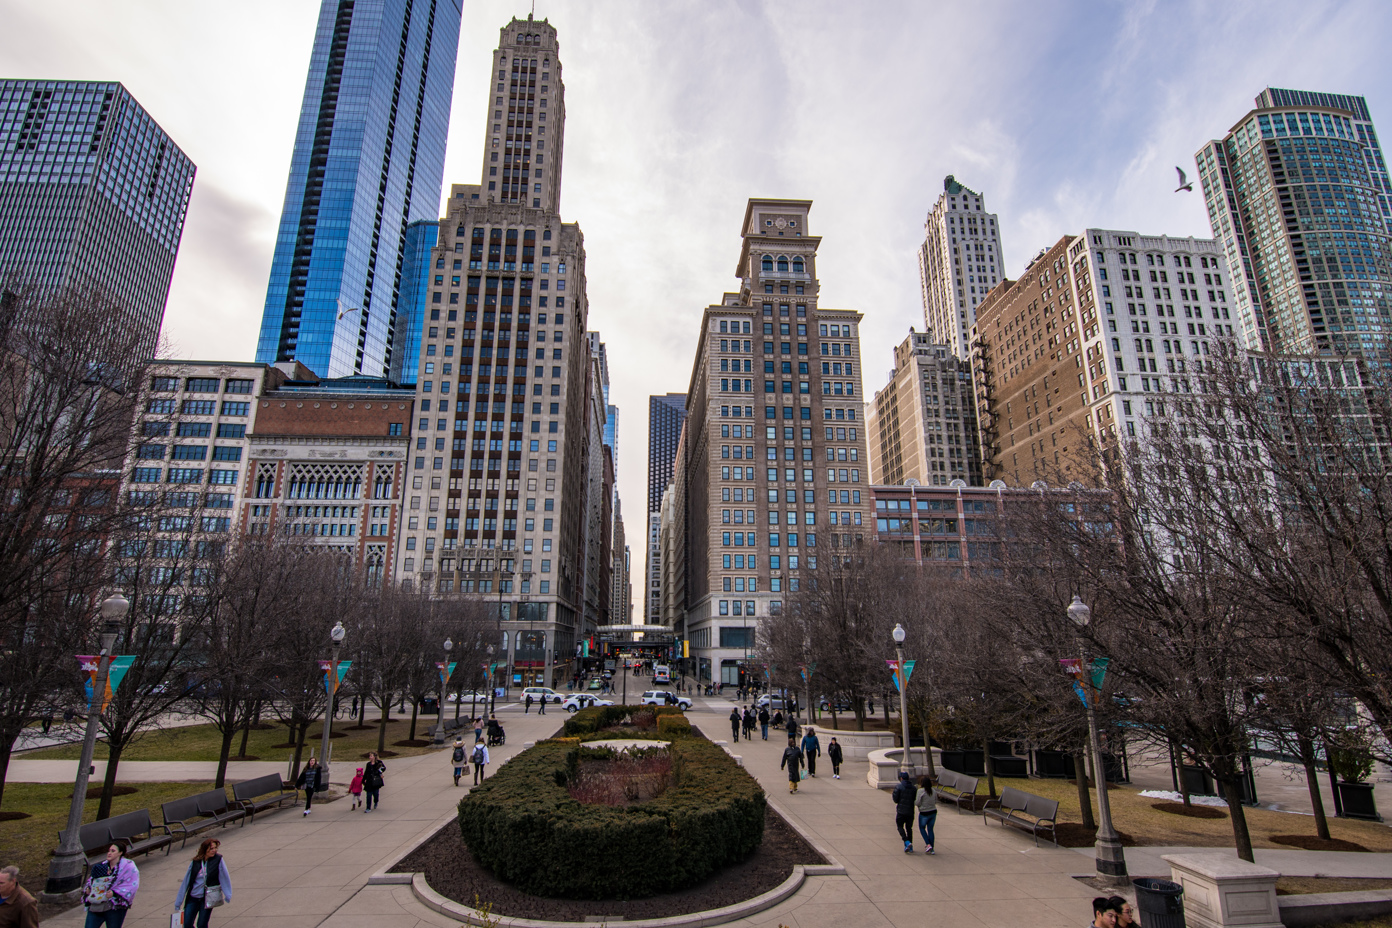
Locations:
column 343, row 312
column 1184, row 182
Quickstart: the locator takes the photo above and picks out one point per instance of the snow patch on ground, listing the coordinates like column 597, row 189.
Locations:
column 1176, row 797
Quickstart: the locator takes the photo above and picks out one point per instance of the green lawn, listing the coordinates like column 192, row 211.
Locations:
column 202, row 742
column 27, row 843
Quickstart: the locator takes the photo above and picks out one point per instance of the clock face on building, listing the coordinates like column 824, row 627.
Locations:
column 781, row 223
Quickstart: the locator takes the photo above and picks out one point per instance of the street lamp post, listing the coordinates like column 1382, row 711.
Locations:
column 65, row 870
column 336, row 636
column 492, row 684
column 444, row 683
column 899, row 635
column 1111, row 859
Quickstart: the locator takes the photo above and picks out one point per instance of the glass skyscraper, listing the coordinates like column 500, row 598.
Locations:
column 92, row 193
column 1297, row 194
column 369, row 160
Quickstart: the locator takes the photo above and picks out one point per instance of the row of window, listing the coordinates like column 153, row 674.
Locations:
column 183, row 475
column 200, row 385
column 197, row 408
column 156, row 452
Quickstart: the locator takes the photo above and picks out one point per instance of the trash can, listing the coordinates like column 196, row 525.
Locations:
column 1159, row 903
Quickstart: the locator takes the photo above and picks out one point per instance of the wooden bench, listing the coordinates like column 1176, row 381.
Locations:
column 134, row 831
column 261, row 793
column 956, row 788
column 190, row 815
column 1027, row 811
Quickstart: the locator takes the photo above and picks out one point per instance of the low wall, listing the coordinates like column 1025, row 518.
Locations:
column 856, row 745
column 884, row 766
column 1308, row 911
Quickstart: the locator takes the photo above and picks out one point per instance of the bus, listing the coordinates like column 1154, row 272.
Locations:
column 662, row 674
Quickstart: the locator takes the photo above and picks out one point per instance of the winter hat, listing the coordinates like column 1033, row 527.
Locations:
column 359, row 770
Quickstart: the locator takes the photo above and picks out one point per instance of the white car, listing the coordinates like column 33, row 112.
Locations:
column 469, row 696
column 664, row 698
column 539, row 693
column 584, row 701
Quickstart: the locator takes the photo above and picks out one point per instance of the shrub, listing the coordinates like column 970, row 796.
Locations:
column 523, row 824
column 598, row 718
column 673, row 725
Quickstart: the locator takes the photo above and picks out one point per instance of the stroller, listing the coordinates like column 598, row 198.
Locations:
column 496, row 735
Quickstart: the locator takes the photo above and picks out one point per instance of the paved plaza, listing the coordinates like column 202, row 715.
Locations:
column 289, row 870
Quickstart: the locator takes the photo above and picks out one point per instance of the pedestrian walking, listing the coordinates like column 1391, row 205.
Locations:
column 478, row 729
column 792, row 725
column 47, row 721
column 374, row 777
column 528, row 707
column 355, row 707
column 457, row 758
column 735, row 725
column 311, row 781
column 480, row 759
column 110, row 889
column 811, row 747
column 1104, row 913
column 927, row 805
column 206, row 885
column 763, row 721
column 17, row 906
column 1126, row 915
column 904, row 809
column 355, row 789
column 835, row 756
column 792, row 760
column 541, row 709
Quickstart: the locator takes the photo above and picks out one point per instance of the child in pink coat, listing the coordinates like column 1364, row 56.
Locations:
column 356, row 788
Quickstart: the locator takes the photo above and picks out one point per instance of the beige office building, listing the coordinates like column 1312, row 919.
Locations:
column 958, row 264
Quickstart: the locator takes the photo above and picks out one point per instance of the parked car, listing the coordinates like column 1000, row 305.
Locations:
column 469, row 696
column 584, row 701
column 596, row 684
column 539, row 693
column 842, row 704
column 664, row 698
column 772, row 702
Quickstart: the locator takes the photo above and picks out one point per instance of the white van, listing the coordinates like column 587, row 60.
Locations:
column 662, row 674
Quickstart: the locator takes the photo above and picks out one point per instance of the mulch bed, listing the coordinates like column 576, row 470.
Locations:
column 1179, row 808
column 452, row 871
column 1316, row 843
column 94, row 791
column 1301, row 885
column 412, row 743
column 9, row 816
column 366, row 754
column 1072, row 834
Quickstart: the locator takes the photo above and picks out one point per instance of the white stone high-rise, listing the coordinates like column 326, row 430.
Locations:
column 958, row 264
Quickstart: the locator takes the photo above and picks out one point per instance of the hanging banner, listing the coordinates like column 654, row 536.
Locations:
column 894, row 669
column 807, row 670
column 115, row 672
column 445, row 673
column 1073, row 666
column 332, row 680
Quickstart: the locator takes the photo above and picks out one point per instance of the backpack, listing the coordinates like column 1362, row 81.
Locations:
column 458, row 755
column 478, row 754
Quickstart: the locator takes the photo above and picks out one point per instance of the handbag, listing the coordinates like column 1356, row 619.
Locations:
column 212, row 897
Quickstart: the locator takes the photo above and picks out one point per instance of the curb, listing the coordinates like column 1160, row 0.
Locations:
column 471, row 916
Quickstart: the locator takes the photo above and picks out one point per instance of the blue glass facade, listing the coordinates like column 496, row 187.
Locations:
column 410, row 306
column 368, row 161
column 92, row 191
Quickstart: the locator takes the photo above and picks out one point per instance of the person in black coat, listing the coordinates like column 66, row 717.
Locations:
column 735, row 724
column 792, row 760
column 834, row 755
column 763, row 721
column 904, row 809
column 311, row 781
column 373, row 779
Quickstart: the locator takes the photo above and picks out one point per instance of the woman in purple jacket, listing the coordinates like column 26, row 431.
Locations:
column 110, row 889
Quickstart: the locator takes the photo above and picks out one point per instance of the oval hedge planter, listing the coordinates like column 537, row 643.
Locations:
column 522, row 824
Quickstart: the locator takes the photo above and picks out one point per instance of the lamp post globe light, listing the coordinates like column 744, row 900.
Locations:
column 444, row 684
column 1111, row 859
column 905, row 766
column 336, row 636
column 65, row 870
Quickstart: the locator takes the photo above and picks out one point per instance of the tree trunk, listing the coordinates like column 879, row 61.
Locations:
column 382, row 724
column 246, row 735
column 113, row 760
column 886, row 708
column 1232, row 792
column 928, row 747
column 990, row 767
column 1084, row 799
column 1307, row 759
column 6, row 748
column 223, row 754
column 415, row 711
column 299, row 732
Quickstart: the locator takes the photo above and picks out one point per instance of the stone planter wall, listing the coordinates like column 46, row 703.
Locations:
column 884, row 766
column 856, row 745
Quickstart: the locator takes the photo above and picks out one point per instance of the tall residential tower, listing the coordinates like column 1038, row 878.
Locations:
column 666, row 415
column 958, row 264
column 369, row 159
column 92, row 193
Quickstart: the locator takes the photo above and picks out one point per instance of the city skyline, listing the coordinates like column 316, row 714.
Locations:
column 1162, row 83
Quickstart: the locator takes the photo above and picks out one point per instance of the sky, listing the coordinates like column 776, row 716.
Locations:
column 1065, row 115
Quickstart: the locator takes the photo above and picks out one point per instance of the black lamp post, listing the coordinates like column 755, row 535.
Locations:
column 1111, row 859
column 336, row 636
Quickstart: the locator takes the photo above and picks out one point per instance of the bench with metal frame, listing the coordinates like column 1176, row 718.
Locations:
column 1026, row 811
column 190, row 815
column 956, row 788
column 271, row 792
column 126, row 830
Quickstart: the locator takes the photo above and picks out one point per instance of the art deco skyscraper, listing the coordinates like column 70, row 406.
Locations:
column 92, row 192
column 511, row 412
column 369, row 159
column 1298, row 195
column 666, row 415
column 775, row 467
column 958, row 264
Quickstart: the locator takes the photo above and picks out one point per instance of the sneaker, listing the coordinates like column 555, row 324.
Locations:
column 908, row 849
column 306, row 811
column 930, row 851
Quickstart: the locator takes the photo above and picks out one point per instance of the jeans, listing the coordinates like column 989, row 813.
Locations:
column 308, row 798
column 373, row 799
column 764, row 726
column 926, row 821
column 734, row 732
column 811, row 764
column 196, row 914
column 478, row 774
column 905, row 826
column 111, row 918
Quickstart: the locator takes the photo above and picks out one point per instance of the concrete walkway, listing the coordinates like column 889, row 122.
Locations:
column 288, row 870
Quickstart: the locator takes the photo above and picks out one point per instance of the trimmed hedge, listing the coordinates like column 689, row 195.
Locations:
column 598, row 718
column 522, row 824
column 675, row 725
